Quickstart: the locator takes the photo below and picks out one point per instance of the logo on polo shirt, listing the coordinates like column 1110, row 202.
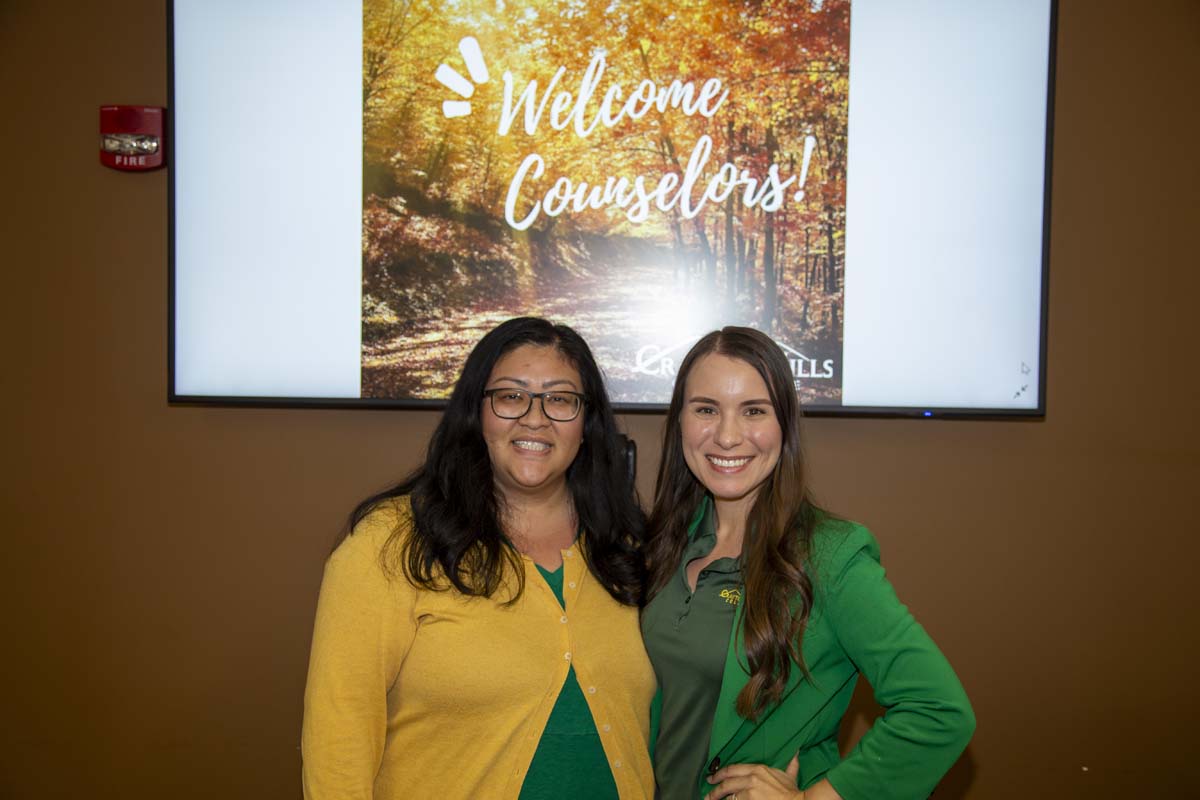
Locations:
column 731, row 596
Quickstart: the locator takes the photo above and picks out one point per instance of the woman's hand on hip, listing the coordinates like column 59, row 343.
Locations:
column 756, row 782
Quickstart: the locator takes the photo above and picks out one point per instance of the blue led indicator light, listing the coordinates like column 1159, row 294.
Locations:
column 928, row 413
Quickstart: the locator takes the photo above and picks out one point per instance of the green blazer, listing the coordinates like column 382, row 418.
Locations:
column 857, row 625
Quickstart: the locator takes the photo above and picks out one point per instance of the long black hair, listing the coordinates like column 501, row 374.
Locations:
column 456, row 532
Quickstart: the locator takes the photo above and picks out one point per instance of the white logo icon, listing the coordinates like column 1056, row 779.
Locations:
column 450, row 78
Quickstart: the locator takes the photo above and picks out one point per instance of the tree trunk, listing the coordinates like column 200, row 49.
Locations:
column 751, row 257
column 730, row 256
column 781, row 257
column 807, row 260
column 741, row 262
column 829, row 281
column 769, row 291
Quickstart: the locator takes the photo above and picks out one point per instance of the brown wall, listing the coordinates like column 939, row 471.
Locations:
column 162, row 563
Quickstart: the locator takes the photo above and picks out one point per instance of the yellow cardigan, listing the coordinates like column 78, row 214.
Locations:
column 417, row 693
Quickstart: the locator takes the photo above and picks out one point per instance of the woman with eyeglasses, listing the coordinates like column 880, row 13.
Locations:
column 477, row 631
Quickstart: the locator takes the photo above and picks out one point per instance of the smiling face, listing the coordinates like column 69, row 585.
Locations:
column 531, row 455
column 731, row 434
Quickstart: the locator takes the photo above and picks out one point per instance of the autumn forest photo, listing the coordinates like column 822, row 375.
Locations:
column 642, row 170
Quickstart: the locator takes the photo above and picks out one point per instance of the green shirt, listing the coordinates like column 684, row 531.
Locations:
column 856, row 623
column 570, row 759
column 686, row 635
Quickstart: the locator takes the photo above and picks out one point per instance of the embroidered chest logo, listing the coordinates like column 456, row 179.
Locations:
column 731, row 596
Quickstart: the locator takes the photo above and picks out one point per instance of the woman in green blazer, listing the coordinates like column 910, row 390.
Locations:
column 764, row 609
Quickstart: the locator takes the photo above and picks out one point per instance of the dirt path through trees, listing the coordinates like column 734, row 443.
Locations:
column 620, row 310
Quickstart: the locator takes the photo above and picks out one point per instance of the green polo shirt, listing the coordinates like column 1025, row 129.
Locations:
column 687, row 635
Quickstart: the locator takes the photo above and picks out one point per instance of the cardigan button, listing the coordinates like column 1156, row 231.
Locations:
column 714, row 765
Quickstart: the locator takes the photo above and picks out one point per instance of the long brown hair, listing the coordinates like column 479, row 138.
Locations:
column 778, row 590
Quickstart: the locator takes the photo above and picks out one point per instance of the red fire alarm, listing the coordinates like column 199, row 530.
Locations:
column 131, row 137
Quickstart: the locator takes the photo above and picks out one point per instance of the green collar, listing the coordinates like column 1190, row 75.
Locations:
column 693, row 529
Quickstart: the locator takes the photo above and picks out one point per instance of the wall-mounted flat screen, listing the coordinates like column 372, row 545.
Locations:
column 361, row 190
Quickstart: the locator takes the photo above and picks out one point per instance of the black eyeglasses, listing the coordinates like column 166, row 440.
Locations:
column 508, row 403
